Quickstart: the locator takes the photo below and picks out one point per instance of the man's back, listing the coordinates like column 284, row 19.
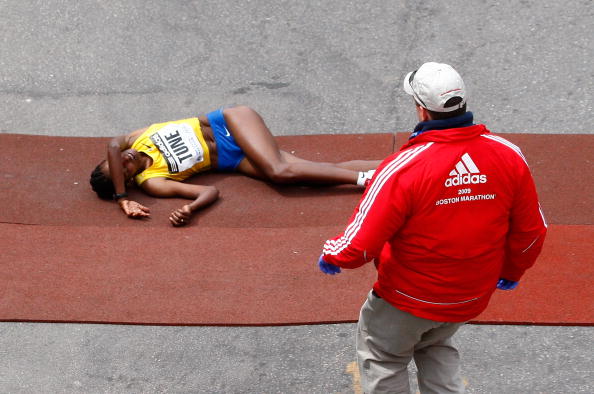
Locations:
column 455, row 202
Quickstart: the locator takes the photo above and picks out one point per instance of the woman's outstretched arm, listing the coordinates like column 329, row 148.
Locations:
column 201, row 194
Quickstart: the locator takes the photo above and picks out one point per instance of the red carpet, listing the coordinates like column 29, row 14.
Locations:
column 250, row 258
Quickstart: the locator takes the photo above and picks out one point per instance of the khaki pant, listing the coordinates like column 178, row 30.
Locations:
column 387, row 340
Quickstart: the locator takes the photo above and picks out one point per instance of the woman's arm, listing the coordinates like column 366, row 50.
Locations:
column 114, row 159
column 116, row 171
column 201, row 194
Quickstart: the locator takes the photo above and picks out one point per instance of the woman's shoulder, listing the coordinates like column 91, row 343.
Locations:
column 133, row 136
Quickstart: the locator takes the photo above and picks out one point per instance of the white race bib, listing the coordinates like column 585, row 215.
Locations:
column 179, row 146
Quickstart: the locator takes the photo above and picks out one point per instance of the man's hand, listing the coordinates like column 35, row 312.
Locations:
column 181, row 216
column 328, row 268
column 134, row 209
column 505, row 284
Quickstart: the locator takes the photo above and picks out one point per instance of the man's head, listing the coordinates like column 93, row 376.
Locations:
column 437, row 88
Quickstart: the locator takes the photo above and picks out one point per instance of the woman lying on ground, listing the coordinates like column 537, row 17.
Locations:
column 161, row 156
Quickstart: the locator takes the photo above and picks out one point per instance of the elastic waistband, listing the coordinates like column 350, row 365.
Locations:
column 437, row 303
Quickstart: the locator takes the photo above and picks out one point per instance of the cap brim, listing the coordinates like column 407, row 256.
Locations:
column 406, row 85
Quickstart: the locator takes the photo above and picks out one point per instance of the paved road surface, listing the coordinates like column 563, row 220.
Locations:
column 100, row 68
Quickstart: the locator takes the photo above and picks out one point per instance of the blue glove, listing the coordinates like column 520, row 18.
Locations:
column 505, row 284
column 328, row 268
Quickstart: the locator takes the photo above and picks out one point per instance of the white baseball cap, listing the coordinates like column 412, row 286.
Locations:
column 433, row 84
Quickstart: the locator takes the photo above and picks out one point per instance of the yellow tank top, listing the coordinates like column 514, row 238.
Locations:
column 178, row 150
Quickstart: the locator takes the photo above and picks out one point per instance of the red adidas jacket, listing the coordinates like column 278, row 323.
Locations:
column 444, row 218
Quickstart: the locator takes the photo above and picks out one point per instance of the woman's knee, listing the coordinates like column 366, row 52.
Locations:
column 240, row 111
column 281, row 173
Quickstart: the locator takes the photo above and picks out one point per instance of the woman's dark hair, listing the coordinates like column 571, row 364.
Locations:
column 450, row 103
column 101, row 183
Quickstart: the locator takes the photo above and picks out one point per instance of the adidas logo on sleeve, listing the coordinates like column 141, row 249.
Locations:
column 465, row 173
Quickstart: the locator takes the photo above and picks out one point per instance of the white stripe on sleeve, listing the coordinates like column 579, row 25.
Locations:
column 334, row 247
column 506, row 143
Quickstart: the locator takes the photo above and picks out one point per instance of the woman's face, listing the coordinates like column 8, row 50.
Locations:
column 131, row 163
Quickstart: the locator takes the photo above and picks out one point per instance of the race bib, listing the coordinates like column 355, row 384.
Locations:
column 179, row 146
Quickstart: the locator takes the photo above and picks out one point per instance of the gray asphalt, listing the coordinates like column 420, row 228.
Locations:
column 101, row 68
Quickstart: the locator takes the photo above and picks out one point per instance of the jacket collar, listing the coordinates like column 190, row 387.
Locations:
column 448, row 135
column 463, row 120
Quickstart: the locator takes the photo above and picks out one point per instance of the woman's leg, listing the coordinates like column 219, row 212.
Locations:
column 247, row 168
column 265, row 160
column 355, row 165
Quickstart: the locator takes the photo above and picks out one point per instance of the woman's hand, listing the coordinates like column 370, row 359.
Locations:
column 202, row 196
column 134, row 209
column 181, row 216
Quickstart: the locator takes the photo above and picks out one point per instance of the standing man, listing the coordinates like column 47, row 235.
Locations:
column 448, row 219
